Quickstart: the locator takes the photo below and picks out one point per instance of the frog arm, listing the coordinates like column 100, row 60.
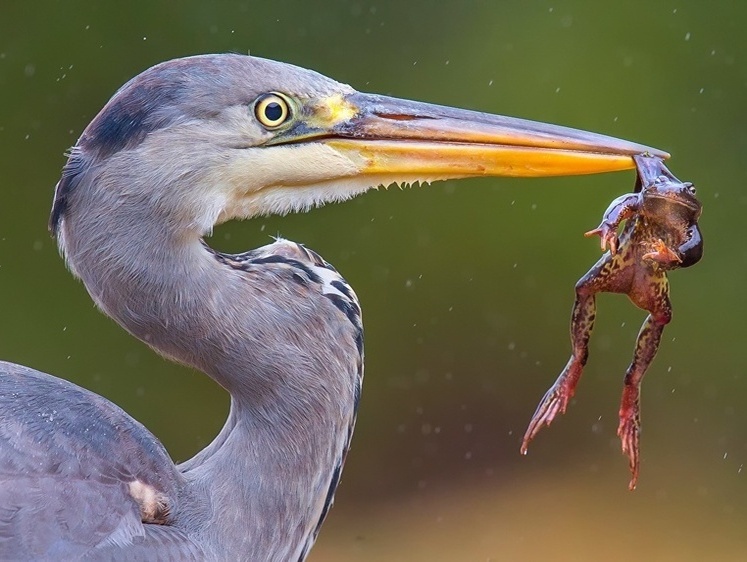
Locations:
column 622, row 208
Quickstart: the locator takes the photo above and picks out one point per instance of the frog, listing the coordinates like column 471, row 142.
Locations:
column 660, row 234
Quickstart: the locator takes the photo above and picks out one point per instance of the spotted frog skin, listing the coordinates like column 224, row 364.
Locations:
column 660, row 234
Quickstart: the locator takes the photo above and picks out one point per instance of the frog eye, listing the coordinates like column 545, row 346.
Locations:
column 272, row 110
column 690, row 187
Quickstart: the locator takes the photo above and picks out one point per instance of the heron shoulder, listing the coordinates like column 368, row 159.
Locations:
column 59, row 441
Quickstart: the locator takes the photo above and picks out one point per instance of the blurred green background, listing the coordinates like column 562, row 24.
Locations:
column 466, row 286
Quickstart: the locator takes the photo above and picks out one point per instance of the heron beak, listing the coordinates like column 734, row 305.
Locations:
column 410, row 141
column 343, row 144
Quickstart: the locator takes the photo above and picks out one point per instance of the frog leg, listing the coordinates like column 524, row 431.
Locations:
column 582, row 323
column 655, row 299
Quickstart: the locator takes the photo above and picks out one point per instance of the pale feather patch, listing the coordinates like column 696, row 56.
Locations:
column 285, row 179
column 154, row 506
column 328, row 276
column 325, row 272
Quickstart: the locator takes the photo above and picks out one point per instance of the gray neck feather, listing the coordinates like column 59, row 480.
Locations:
column 275, row 346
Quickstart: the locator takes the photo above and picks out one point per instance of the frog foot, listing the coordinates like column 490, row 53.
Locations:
column 629, row 431
column 662, row 254
column 608, row 236
column 554, row 402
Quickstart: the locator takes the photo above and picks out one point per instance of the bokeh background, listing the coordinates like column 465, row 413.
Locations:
column 466, row 286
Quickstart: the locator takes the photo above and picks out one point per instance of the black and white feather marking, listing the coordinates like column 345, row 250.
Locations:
column 310, row 270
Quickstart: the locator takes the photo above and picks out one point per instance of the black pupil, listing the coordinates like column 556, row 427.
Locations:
column 273, row 111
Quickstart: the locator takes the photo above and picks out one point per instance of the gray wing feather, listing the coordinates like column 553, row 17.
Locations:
column 67, row 457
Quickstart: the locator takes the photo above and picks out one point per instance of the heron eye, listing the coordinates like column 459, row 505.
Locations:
column 272, row 110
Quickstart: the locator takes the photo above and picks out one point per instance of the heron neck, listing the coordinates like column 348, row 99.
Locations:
column 271, row 471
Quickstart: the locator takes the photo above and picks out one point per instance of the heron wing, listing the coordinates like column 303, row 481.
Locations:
column 68, row 458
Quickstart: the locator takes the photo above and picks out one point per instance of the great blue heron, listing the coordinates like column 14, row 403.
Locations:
column 184, row 146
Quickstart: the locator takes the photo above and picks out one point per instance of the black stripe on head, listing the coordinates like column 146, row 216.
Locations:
column 71, row 175
column 145, row 104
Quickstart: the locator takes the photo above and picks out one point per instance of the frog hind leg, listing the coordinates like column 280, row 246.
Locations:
column 584, row 312
column 655, row 299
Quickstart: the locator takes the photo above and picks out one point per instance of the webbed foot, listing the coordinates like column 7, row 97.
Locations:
column 629, row 431
column 608, row 236
column 554, row 402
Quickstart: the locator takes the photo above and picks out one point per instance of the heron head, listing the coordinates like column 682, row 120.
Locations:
column 208, row 138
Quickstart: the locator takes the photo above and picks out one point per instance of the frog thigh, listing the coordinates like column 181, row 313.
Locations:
column 611, row 274
column 650, row 291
